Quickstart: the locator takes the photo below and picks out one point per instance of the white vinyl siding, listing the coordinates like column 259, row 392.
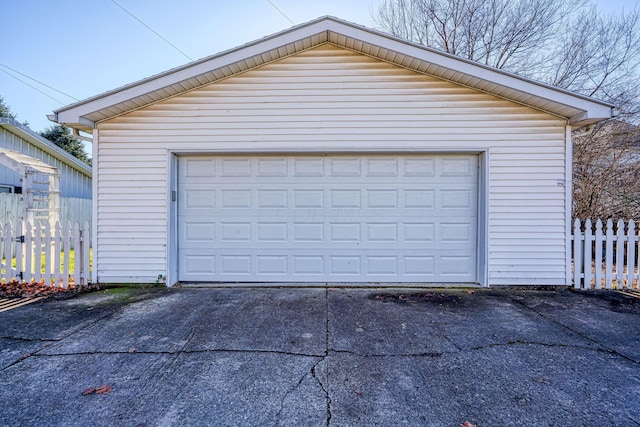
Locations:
column 329, row 99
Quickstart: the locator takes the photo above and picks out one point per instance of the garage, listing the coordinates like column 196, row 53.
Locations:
column 333, row 153
column 328, row 218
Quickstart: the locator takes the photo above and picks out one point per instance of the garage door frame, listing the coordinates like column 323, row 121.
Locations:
column 482, row 241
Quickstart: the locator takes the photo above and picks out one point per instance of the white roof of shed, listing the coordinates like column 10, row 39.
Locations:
column 577, row 109
column 22, row 163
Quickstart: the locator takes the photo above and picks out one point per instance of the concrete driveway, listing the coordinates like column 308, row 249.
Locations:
column 317, row 357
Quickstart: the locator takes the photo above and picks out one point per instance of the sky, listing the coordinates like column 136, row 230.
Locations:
column 86, row 47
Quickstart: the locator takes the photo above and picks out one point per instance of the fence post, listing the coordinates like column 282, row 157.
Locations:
column 586, row 265
column 28, row 252
column 66, row 235
column 577, row 254
column 620, row 255
column 5, row 252
column 608, row 262
column 86, row 245
column 47, row 253
column 77, row 250
column 631, row 254
column 57, row 278
column 598, row 255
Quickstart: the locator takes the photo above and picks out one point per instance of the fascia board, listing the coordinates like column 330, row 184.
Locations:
column 75, row 112
column 593, row 110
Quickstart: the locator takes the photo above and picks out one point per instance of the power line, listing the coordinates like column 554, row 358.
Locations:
column 38, row 81
column 152, row 30
column 31, row 86
column 281, row 12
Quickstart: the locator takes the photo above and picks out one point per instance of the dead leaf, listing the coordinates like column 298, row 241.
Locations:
column 467, row 424
column 133, row 350
column 30, row 289
column 469, row 292
column 104, row 389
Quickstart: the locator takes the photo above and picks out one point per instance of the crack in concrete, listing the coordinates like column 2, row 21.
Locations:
column 326, row 353
column 436, row 354
column 176, row 352
column 50, row 342
column 295, row 387
column 544, row 344
column 584, row 336
column 432, row 354
column 30, row 339
column 324, row 389
column 633, row 420
column 450, row 341
column 156, row 374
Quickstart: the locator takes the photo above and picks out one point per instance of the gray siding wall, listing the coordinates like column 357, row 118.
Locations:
column 72, row 182
column 329, row 99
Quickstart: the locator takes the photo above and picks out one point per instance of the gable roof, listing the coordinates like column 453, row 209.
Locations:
column 45, row 145
column 577, row 109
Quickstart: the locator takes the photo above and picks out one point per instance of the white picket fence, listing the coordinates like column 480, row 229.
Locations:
column 71, row 209
column 43, row 254
column 605, row 257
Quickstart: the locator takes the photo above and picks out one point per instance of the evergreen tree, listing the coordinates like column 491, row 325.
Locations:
column 61, row 136
column 5, row 110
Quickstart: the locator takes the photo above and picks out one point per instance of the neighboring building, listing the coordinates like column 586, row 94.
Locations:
column 75, row 175
column 330, row 152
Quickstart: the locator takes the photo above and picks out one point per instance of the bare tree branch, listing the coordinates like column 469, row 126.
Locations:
column 566, row 43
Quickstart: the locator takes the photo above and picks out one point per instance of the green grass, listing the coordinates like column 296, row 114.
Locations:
column 72, row 258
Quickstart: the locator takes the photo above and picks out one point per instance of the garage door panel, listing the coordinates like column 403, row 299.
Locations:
column 354, row 266
column 293, row 234
column 383, row 197
column 327, row 218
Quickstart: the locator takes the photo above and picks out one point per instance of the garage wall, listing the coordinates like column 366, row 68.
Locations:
column 331, row 99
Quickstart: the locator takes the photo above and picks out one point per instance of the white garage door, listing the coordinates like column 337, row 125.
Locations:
column 331, row 218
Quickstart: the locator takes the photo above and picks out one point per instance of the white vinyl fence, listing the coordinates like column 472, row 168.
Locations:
column 58, row 255
column 605, row 257
column 71, row 209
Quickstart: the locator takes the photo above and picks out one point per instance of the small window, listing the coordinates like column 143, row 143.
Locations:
column 7, row 188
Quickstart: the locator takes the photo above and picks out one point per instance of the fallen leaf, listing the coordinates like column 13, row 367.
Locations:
column 133, row 350
column 88, row 391
column 467, row 424
column 469, row 292
column 104, row 389
column 31, row 289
